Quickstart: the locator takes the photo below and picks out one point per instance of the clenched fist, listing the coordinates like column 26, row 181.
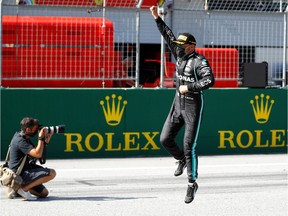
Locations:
column 154, row 11
column 183, row 89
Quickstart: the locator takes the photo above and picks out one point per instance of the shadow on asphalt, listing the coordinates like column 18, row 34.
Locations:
column 91, row 198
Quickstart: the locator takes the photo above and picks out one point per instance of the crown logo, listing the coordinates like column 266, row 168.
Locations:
column 262, row 108
column 112, row 112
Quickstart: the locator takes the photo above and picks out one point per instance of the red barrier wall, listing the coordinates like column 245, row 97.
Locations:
column 75, row 51
column 69, row 49
column 224, row 63
column 111, row 3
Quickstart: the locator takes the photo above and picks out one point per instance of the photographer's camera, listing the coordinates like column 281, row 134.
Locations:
column 54, row 129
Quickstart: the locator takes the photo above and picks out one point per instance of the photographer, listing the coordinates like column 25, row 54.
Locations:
column 32, row 174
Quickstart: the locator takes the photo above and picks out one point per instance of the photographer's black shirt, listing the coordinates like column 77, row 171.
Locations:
column 19, row 147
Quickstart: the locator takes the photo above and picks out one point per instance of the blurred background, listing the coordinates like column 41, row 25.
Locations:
column 90, row 43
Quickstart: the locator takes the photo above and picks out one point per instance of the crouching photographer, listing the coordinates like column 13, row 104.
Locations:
column 33, row 175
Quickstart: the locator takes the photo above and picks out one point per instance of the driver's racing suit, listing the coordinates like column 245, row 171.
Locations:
column 195, row 72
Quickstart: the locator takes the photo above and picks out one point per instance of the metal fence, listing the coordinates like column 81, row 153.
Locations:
column 89, row 43
column 257, row 29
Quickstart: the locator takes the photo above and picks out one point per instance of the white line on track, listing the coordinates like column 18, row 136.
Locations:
column 171, row 167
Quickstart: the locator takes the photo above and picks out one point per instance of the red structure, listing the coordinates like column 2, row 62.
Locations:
column 109, row 3
column 79, row 52
column 57, row 51
column 224, row 63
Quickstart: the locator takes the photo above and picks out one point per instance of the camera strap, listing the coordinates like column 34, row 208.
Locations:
column 42, row 160
column 19, row 170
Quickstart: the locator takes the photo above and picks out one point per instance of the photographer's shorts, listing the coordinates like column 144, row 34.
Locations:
column 33, row 174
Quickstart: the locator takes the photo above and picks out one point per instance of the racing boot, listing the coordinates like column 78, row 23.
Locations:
column 191, row 191
column 181, row 166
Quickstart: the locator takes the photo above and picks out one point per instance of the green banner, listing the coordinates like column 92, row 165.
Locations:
column 103, row 123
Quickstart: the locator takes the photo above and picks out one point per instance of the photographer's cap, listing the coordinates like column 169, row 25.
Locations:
column 185, row 38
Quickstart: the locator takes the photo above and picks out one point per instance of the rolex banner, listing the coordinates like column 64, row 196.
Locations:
column 103, row 123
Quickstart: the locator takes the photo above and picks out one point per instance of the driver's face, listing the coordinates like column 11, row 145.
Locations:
column 188, row 48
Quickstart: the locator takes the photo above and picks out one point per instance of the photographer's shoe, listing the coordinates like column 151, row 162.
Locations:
column 181, row 166
column 26, row 195
column 12, row 194
column 191, row 191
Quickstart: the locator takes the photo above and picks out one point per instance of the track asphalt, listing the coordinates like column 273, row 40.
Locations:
column 240, row 185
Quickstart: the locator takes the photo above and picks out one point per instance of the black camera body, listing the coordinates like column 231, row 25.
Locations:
column 54, row 129
column 59, row 129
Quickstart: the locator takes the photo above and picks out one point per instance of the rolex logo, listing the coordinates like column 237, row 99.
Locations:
column 262, row 107
column 113, row 110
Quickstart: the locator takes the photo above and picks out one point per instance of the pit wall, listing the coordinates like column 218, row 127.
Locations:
column 116, row 123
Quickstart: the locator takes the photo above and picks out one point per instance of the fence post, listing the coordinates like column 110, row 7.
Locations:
column 162, row 13
column 103, row 32
column 138, row 7
column 0, row 70
column 284, row 78
column 1, row 43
